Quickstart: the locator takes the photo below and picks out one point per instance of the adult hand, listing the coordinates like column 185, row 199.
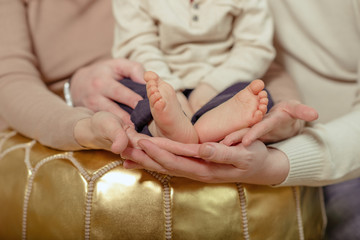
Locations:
column 284, row 120
column 103, row 130
column 208, row 162
column 202, row 94
column 96, row 86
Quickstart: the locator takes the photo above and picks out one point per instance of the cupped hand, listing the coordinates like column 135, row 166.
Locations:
column 103, row 130
column 284, row 120
column 96, row 86
column 208, row 162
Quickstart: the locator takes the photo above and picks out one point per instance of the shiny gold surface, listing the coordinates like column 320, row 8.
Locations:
column 88, row 195
column 13, row 178
column 204, row 211
column 128, row 204
column 57, row 199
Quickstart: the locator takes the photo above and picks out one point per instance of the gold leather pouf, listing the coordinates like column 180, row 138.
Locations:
column 48, row 194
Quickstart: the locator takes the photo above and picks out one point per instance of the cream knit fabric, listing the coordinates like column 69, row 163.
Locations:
column 219, row 42
column 41, row 44
column 318, row 43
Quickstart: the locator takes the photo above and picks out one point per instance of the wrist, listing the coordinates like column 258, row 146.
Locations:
column 279, row 166
column 82, row 132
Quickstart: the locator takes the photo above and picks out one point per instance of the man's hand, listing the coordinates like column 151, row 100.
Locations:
column 284, row 120
column 97, row 86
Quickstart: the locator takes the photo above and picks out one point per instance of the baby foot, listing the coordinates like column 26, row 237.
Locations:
column 169, row 118
column 243, row 110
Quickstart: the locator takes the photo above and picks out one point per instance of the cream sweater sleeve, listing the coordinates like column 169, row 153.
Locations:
column 327, row 153
column 324, row 58
column 136, row 38
column 25, row 102
column 252, row 52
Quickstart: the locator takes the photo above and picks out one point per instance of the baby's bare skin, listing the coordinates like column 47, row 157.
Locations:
column 169, row 118
column 243, row 110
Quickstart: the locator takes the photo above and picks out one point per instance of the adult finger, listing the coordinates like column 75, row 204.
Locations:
column 243, row 158
column 234, row 137
column 104, row 104
column 177, row 148
column 122, row 94
column 174, row 147
column 110, row 128
column 188, row 167
column 119, row 141
column 219, row 153
column 128, row 164
column 140, row 158
column 161, row 156
column 283, row 121
column 301, row 111
column 175, row 164
column 260, row 129
column 101, row 131
column 130, row 69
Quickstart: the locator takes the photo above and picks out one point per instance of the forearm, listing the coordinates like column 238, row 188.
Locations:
column 276, row 168
column 326, row 154
column 42, row 116
column 25, row 102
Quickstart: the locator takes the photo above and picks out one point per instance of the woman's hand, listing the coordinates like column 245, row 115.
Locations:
column 96, row 86
column 208, row 162
column 103, row 130
column 284, row 120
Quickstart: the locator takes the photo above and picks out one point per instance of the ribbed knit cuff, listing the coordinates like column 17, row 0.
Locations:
column 306, row 156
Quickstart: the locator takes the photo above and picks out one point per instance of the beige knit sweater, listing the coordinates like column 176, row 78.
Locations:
column 41, row 44
column 318, row 42
column 211, row 41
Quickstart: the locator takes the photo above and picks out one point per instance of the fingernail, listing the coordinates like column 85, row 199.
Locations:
column 126, row 164
column 207, row 151
column 135, row 103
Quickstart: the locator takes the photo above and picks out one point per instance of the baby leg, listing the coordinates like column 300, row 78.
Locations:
column 243, row 110
column 169, row 118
